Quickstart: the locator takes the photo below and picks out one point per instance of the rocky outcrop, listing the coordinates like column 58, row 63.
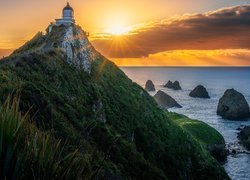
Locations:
column 199, row 92
column 77, row 48
column 174, row 86
column 233, row 105
column 149, row 86
column 219, row 152
column 71, row 40
column 244, row 137
column 166, row 101
column 169, row 85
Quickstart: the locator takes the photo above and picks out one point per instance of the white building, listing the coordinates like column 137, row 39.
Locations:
column 67, row 18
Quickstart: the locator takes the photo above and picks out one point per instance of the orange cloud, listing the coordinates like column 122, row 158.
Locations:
column 226, row 57
column 226, row 28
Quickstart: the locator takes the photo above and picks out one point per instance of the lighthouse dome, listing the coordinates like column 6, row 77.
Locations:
column 68, row 12
column 68, row 7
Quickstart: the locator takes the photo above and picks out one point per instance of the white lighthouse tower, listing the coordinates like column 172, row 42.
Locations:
column 66, row 20
column 67, row 16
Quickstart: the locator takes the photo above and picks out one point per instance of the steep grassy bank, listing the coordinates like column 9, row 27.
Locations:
column 114, row 124
column 207, row 136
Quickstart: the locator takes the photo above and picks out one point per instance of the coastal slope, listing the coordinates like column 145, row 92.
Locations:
column 78, row 97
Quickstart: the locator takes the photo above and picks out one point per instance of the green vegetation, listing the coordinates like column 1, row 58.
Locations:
column 202, row 132
column 33, row 44
column 26, row 152
column 104, row 118
column 205, row 135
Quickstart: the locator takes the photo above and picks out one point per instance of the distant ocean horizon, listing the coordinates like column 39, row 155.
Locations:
column 216, row 80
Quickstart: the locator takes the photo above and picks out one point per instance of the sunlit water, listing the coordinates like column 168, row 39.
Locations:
column 216, row 80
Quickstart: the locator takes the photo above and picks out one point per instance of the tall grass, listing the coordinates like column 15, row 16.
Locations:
column 27, row 153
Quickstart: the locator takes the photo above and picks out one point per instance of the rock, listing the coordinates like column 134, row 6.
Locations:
column 76, row 46
column 199, row 92
column 176, row 85
column 166, row 101
column 233, row 105
column 244, row 137
column 219, row 152
column 239, row 129
column 149, row 86
column 169, row 85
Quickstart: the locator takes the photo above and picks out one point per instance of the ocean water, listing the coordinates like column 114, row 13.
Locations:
column 216, row 80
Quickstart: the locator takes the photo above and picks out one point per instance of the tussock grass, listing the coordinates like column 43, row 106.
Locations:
column 25, row 152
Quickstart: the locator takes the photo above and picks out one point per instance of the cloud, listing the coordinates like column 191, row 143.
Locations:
column 226, row 57
column 226, row 28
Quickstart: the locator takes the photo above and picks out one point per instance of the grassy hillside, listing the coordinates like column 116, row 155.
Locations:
column 202, row 132
column 113, row 124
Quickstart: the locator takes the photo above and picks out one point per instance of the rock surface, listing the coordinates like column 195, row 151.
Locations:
column 199, row 92
column 174, row 86
column 72, row 41
column 149, row 86
column 166, row 101
column 77, row 48
column 244, row 137
column 219, row 152
column 233, row 105
column 169, row 85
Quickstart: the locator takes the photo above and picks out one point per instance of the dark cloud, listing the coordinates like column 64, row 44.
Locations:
column 227, row 28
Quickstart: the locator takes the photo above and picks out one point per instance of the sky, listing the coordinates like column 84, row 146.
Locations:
column 142, row 32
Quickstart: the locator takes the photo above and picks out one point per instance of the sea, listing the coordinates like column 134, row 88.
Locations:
column 216, row 80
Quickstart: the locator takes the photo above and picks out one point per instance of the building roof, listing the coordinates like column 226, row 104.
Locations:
column 68, row 7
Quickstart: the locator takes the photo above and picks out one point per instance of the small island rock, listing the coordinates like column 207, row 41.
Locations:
column 244, row 137
column 199, row 92
column 166, row 101
column 169, row 85
column 233, row 105
column 176, row 85
column 149, row 86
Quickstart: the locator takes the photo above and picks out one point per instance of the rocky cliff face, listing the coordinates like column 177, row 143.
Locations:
column 77, row 48
column 71, row 40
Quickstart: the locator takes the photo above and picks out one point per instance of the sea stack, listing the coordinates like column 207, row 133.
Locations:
column 233, row 106
column 244, row 137
column 199, row 92
column 169, row 85
column 149, row 86
column 166, row 101
column 174, row 86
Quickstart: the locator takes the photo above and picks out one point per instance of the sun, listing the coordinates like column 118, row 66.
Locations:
column 118, row 30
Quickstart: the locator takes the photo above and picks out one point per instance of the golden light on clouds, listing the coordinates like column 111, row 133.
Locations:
column 225, row 57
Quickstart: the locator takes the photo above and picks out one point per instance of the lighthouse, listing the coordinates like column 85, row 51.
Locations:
column 66, row 20
column 67, row 16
